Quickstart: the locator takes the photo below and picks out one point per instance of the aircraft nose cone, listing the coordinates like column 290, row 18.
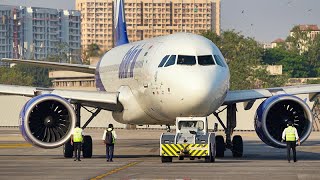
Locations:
column 197, row 88
column 198, row 92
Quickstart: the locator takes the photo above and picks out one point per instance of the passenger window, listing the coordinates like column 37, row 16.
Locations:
column 219, row 60
column 163, row 61
column 186, row 60
column 205, row 60
column 171, row 61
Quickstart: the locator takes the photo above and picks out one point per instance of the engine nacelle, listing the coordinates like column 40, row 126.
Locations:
column 132, row 112
column 273, row 114
column 46, row 121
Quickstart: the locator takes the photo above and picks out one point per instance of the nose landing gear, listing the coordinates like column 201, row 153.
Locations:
column 168, row 128
column 236, row 144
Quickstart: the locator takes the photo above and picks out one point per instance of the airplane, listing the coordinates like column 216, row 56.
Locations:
column 151, row 82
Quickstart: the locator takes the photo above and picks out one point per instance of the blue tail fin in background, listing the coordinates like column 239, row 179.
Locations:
column 120, row 30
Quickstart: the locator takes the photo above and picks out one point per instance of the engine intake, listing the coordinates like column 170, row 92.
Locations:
column 46, row 121
column 273, row 115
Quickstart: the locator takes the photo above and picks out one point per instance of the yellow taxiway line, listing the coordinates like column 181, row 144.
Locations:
column 7, row 146
column 114, row 171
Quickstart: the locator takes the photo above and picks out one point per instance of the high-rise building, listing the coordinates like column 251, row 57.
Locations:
column 10, row 39
column 146, row 19
column 36, row 33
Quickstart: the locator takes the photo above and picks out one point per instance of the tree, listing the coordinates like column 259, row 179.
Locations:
column 294, row 64
column 265, row 80
column 308, row 47
column 13, row 76
column 274, row 56
column 25, row 75
column 296, row 67
column 300, row 56
column 244, row 57
column 93, row 50
column 312, row 56
column 85, row 57
column 40, row 75
column 298, row 41
column 213, row 37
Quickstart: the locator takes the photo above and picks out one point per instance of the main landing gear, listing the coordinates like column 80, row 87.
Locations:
column 236, row 144
column 87, row 140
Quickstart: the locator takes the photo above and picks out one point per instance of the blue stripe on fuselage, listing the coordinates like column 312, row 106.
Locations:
column 123, row 63
column 129, row 60
column 134, row 62
column 99, row 84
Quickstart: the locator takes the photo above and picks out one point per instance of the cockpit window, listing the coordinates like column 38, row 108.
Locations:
column 163, row 61
column 205, row 60
column 171, row 61
column 219, row 60
column 186, row 60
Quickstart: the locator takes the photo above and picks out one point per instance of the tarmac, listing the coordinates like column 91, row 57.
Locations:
column 137, row 157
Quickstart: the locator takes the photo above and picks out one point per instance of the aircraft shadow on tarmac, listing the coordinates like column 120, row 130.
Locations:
column 256, row 150
column 175, row 160
column 128, row 156
column 253, row 150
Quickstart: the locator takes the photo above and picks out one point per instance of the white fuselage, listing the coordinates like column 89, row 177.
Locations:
column 157, row 95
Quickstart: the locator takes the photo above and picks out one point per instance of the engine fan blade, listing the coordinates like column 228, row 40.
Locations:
column 48, row 135
column 52, row 134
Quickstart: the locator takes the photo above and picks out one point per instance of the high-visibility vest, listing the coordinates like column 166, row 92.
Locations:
column 290, row 133
column 77, row 135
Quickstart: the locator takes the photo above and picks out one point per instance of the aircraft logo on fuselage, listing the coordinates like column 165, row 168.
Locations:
column 128, row 62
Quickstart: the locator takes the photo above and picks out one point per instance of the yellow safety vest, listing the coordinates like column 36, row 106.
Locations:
column 77, row 135
column 290, row 133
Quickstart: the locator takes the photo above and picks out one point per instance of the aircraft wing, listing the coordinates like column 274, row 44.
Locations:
column 253, row 94
column 56, row 65
column 104, row 100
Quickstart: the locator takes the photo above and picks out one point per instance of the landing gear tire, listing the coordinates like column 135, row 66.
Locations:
column 87, row 147
column 68, row 150
column 210, row 158
column 221, row 146
column 237, row 146
column 166, row 159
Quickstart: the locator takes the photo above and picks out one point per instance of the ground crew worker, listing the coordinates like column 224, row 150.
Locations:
column 109, row 137
column 76, row 141
column 290, row 135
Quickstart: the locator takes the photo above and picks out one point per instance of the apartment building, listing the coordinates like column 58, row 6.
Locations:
column 147, row 18
column 276, row 42
column 36, row 33
column 9, row 32
column 311, row 31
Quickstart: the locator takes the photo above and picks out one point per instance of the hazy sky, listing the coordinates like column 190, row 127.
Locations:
column 264, row 20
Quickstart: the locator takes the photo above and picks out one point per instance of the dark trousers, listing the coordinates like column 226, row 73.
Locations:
column 77, row 149
column 291, row 145
column 109, row 151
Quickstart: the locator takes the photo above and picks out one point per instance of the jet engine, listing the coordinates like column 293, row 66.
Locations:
column 273, row 115
column 46, row 121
